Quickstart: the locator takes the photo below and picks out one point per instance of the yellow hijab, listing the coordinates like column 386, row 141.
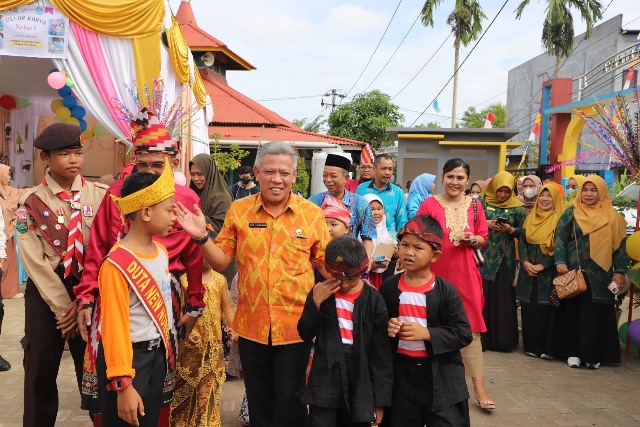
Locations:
column 540, row 226
column 501, row 179
column 579, row 179
column 604, row 225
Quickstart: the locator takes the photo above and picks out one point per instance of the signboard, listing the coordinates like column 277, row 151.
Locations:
column 34, row 31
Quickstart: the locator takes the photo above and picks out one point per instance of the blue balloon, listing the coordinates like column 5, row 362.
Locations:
column 78, row 112
column 69, row 102
column 64, row 91
column 83, row 124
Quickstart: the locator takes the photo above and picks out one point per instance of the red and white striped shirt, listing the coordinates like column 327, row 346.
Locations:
column 344, row 307
column 413, row 308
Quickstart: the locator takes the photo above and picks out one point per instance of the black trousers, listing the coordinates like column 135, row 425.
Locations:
column 1, row 306
column 413, row 398
column 328, row 417
column 43, row 345
column 151, row 369
column 274, row 377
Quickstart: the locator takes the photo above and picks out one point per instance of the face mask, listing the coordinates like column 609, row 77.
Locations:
column 475, row 196
column 245, row 181
column 530, row 193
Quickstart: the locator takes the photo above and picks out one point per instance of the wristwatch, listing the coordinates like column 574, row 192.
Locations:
column 119, row 383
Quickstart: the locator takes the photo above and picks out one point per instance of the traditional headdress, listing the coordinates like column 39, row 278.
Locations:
column 334, row 208
column 416, row 227
column 149, row 135
column 338, row 161
column 339, row 267
column 163, row 188
column 367, row 155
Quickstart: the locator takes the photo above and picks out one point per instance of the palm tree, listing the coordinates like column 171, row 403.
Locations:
column 466, row 25
column 557, row 30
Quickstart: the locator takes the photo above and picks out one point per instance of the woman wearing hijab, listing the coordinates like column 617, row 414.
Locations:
column 421, row 188
column 477, row 187
column 210, row 186
column 9, row 197
column 535, row 281
column 573, row 185
column 530, row 187
column 588, row 321
column 505, row 216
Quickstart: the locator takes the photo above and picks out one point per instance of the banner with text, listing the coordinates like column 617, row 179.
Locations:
column 34, row 31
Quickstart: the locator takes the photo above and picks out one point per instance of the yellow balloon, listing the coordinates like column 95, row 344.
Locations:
column 633, row 246
column 88, row 134
column 63, row 113
column 55, row 104
column 73, row 121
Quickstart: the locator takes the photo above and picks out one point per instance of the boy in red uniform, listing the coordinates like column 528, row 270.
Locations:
column 135, row 353
column 351, row 374
column 428, row 327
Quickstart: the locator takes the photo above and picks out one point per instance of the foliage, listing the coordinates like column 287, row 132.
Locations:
column 475, row 119
column 622, row 203
column 430, row 125
column 226, row 160
column 366, row 119
column 303, row 179
column 557, row 30
column 316, row 125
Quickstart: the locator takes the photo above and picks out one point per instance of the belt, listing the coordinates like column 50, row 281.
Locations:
column 148, row 345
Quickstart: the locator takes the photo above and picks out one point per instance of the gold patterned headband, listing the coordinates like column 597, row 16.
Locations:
column 162, row 189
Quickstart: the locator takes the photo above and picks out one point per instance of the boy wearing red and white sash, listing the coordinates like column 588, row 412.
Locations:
column 135, row 353
column 428, row 327
column 351, row 374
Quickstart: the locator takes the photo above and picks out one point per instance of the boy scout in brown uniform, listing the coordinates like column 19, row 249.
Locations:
column 54, row 220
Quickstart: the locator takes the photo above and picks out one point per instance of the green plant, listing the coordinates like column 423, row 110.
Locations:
column 303, row 178
column 226, row 159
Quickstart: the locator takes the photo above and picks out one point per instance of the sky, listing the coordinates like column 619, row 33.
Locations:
column 304, row 49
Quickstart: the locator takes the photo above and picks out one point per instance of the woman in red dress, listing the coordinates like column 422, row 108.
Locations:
column 464, row 229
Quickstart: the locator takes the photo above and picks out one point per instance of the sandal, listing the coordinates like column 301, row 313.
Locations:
column 488, row 405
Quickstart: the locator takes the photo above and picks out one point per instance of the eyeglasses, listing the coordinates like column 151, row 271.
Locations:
column 572, row 187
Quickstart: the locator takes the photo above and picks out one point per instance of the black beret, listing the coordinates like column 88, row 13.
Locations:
column 59, row 136
column 338, row 161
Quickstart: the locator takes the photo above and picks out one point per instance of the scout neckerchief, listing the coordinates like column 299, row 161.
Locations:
column 75, row 252
column 149, row 293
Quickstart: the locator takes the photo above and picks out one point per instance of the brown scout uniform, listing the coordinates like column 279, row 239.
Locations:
column 43, row 221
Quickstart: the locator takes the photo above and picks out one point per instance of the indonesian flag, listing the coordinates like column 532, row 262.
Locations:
column 536, row 125
column 488, row 122
column 630, row 72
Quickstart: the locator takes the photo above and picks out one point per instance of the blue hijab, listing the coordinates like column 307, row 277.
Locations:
column 420, row 190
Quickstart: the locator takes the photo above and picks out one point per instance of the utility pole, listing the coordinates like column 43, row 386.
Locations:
column 333, row 93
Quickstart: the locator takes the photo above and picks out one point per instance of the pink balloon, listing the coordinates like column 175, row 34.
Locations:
column 57, row 80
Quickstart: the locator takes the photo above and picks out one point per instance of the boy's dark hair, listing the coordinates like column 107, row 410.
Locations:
column 348, row 248
column 425, row 223
column 245, row 169
column 136, row 182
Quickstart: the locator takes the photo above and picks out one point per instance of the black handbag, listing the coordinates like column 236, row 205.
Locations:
column 477, row 255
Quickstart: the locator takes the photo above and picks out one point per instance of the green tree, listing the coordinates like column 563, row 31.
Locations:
column 429, row 125
column 303, row 179
column 557, row 30
column 226, row 159
column 466, row 25
column 472, row 118
column 366, row 119
column 316, row 125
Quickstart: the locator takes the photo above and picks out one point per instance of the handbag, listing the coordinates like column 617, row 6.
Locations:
column 573, row 282
column 477, row 255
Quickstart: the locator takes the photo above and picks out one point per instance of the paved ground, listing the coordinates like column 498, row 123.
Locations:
column 528, row 391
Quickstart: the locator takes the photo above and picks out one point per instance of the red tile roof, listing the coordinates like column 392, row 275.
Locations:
column 200, row 40
column 239, row 118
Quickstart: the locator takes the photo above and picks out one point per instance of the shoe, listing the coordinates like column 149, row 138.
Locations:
column 593, row 365
column 546, row 356
column 16, row 296
column 530, row 354
column 488, row 405
column 4, row 365
column 573, row 362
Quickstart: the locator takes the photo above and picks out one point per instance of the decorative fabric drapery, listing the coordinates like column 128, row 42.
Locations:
column 10, row 4
column 179, row 51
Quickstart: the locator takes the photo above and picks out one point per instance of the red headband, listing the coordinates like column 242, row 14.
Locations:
column 339, row 267
column 416, row 228
column 334, row 208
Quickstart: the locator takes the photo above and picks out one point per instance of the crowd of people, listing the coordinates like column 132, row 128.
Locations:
column 363, row 305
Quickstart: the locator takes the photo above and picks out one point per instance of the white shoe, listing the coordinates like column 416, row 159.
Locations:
column 573, row 362
column 593, row 365
column 530, row 354
column 546, row 356
column 16, row 296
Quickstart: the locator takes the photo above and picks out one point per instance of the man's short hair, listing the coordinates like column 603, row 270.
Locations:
column 136, row 182
column 348, row 248
column 277, row 148
column 245, row 170
column 378, row 158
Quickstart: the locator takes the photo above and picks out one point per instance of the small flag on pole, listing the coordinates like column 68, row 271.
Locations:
column 436, row 106
column 524, row 155
column 536, row 126
column 488, row 122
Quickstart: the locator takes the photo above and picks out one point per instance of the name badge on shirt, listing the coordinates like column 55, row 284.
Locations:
column 257, row 225
column 87, row 210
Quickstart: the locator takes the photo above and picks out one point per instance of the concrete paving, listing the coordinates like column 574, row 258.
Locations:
column 528, row 391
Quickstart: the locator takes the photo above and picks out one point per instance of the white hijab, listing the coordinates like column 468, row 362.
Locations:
column 381, row 227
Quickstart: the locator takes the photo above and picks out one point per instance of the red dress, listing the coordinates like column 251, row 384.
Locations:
column 457, row 265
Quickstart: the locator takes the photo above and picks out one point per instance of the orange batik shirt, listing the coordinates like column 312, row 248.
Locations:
column 274, row 257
